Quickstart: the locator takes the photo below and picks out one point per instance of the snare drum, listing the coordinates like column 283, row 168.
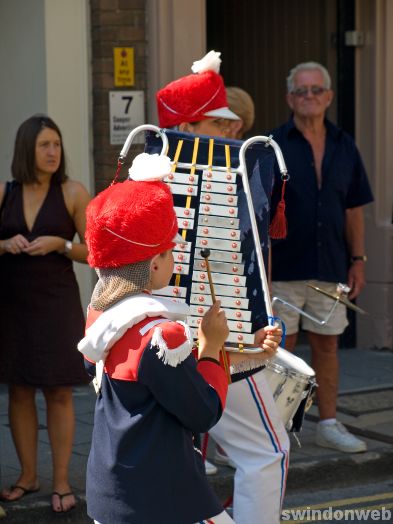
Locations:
column 292, row 382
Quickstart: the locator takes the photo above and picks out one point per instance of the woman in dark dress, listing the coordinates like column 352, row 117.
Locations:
column 41, row 318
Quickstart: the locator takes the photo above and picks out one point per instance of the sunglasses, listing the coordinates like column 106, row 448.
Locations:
column 303, row 91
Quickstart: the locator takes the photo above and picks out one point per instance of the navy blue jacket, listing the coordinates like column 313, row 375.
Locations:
column 143, row 466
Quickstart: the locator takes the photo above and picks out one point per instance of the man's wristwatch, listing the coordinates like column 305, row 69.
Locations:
column 67, row 246
column 363, row 258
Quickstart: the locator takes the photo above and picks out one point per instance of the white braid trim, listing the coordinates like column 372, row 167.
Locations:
column 175, row 356
column 246, row 365
column 111, row 325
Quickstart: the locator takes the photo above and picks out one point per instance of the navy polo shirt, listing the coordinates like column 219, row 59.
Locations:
column 315, row 246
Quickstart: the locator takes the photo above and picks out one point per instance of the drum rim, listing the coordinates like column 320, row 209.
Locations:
column 281, row 370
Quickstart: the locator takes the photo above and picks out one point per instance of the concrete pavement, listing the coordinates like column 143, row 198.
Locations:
column 365, row 405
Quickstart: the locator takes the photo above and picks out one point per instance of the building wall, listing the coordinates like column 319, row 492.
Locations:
column 68, row 102
column 176, row 37
column 167, row 36
column 374, row 135
column 44, row 68
column 114, row 23
column 22, row 71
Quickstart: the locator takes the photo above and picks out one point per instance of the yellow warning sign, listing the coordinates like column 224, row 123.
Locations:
column 124, row 66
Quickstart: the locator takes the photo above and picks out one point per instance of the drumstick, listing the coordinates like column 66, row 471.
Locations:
column 205, row 253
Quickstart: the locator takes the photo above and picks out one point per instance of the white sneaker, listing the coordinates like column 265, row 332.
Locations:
column 336, row 436
column 223, row 460
column 210, row 468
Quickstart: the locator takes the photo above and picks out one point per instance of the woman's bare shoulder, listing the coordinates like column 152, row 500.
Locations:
column 73, row 185
column 74, row 189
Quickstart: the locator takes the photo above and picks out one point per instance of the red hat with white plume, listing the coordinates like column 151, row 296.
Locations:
column 195, row 97
column 133, row 220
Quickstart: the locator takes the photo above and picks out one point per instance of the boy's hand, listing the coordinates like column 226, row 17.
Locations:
column 269, row 339
column 213, row 331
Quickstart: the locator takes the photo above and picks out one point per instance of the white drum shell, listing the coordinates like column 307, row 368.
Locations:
column 289, row 378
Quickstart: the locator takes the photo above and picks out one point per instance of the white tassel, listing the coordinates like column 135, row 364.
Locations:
column 175, row 356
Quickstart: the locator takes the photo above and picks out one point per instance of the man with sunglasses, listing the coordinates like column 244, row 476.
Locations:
column 324, row 244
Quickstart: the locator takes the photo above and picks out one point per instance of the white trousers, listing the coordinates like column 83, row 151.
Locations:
column 222, row 518
column 254, row 437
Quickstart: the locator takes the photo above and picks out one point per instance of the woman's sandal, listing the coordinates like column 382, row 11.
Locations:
column 24, row 491
column 61, row 497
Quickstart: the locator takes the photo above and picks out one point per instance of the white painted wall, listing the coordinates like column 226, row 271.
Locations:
column 22, row 71
column 67, row 57
column 45, row 68
column 176, row 37
column 374, row 136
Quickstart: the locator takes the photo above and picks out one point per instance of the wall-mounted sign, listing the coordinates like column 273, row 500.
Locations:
column 126, row 111
column 124, row 71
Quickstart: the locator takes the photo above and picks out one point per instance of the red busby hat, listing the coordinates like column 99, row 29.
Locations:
column 133, row 220
column 195, row 97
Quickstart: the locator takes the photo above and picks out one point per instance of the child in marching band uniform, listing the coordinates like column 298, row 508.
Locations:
column 153, row 395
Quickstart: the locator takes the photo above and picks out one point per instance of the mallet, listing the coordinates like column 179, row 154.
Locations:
column 205, row 253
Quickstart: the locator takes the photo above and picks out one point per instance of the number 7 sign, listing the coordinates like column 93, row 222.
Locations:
column 126, row 111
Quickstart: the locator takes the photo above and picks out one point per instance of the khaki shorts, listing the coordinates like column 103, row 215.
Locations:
column 316, row 304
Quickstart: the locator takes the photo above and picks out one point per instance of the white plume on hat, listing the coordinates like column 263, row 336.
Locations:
column 150, row 168
column 210, row 62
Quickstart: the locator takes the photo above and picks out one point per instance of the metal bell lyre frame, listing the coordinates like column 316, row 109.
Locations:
column 141, row 129
column 242, row 171
column 304, row 313
column 339, row 298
